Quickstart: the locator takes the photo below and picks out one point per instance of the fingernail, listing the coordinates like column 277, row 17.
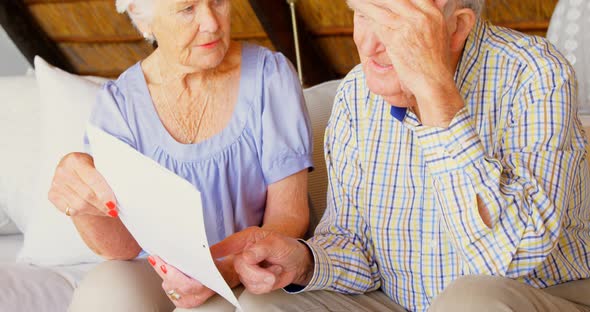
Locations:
column 113, row 213
column 111, row 205
column 151, row 260
column 163, row 268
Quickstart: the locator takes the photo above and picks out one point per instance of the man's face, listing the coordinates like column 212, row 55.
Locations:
column 381, row 76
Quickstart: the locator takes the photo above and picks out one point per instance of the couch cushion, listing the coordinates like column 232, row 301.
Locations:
column 319, row 101
column 19, row 125
column 27, row 288
column 10, row 245
column 7, row 227
column 66, row 102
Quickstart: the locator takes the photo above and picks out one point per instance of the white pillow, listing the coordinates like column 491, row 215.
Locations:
column 19, row 143
column 50, row 238
column 7, row 227
column 4, row 219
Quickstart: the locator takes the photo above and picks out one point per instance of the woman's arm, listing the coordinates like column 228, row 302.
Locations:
column 107, row 237
column 287, row 207
column 287, row 213
column 79, row 190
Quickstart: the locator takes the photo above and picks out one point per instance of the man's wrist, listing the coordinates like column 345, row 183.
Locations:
column 439, row 104
column 307, row 266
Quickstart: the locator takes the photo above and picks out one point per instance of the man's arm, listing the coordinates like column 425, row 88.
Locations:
column 504, row 212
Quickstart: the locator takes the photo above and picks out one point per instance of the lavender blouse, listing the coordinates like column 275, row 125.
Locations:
column 267, row 139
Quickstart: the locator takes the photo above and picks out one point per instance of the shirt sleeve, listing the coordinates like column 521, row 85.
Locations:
column 342, row 246
column 286, row 138
column 108, row 114
column 526, row 183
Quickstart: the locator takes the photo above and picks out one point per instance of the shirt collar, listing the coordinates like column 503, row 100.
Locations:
column 468, row 67
column 398, row 113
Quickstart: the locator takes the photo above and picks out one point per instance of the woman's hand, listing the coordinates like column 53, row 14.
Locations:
column 184, row 291
column 79, row 189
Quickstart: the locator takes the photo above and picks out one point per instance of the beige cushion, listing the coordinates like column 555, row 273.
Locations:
column 319, row 101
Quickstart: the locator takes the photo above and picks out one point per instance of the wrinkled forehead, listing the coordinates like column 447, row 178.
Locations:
column 351, row 4
column 180, row 3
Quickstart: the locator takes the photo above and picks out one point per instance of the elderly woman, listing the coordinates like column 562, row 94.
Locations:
column 227, row 117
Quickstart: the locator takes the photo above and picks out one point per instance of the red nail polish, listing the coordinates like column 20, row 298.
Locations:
column 113, row 213
column 151, row 260
column 111, row 205
column 163, row 268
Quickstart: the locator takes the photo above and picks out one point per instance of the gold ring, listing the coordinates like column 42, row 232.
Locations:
column 68, row 211
column 173, row 294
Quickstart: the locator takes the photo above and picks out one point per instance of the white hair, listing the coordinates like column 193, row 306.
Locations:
column 476, row 5
column 143, row 12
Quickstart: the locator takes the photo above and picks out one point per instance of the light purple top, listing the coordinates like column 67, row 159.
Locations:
column 267, row 139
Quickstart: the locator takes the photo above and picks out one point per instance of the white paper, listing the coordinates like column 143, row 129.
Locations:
column 162, row 211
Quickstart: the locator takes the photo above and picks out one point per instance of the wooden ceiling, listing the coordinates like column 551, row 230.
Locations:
column 96, row 40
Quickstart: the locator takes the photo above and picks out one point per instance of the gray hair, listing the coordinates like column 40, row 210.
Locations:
column 143, row 12
column 476, row 5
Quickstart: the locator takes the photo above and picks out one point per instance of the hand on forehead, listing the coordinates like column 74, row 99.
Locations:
column 396, row 7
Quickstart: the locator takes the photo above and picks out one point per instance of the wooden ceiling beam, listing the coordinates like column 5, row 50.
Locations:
column 136, row 38
column 28, row 37
column 275, row 17
column 33, row 2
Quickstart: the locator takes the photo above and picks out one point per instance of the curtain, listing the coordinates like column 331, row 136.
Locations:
column 569, row 30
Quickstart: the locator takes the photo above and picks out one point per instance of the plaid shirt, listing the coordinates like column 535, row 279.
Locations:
column 402, row 209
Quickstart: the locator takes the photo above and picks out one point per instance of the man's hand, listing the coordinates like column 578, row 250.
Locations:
column 415, row 35
column 265, row 260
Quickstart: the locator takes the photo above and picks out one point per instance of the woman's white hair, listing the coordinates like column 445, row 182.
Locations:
column 143, row 9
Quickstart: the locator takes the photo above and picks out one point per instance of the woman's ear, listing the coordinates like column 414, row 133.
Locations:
column 463, row 22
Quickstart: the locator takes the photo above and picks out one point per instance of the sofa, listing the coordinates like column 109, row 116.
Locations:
column 42, row 117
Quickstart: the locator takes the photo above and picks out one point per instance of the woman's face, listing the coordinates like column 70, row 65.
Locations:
column 193, row 33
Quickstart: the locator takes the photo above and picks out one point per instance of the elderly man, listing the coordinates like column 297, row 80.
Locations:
column 458, row 176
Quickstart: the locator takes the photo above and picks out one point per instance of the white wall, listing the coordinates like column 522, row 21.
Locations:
column 12, row 62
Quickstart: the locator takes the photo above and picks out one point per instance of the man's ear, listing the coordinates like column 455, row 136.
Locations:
column 464, row 20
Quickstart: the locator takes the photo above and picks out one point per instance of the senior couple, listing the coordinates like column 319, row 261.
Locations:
column 458, row 178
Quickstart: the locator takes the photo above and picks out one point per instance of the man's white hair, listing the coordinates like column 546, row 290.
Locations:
column 476, row 5
column 143, row 11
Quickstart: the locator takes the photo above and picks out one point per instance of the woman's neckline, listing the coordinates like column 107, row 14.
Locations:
column 219, row 140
